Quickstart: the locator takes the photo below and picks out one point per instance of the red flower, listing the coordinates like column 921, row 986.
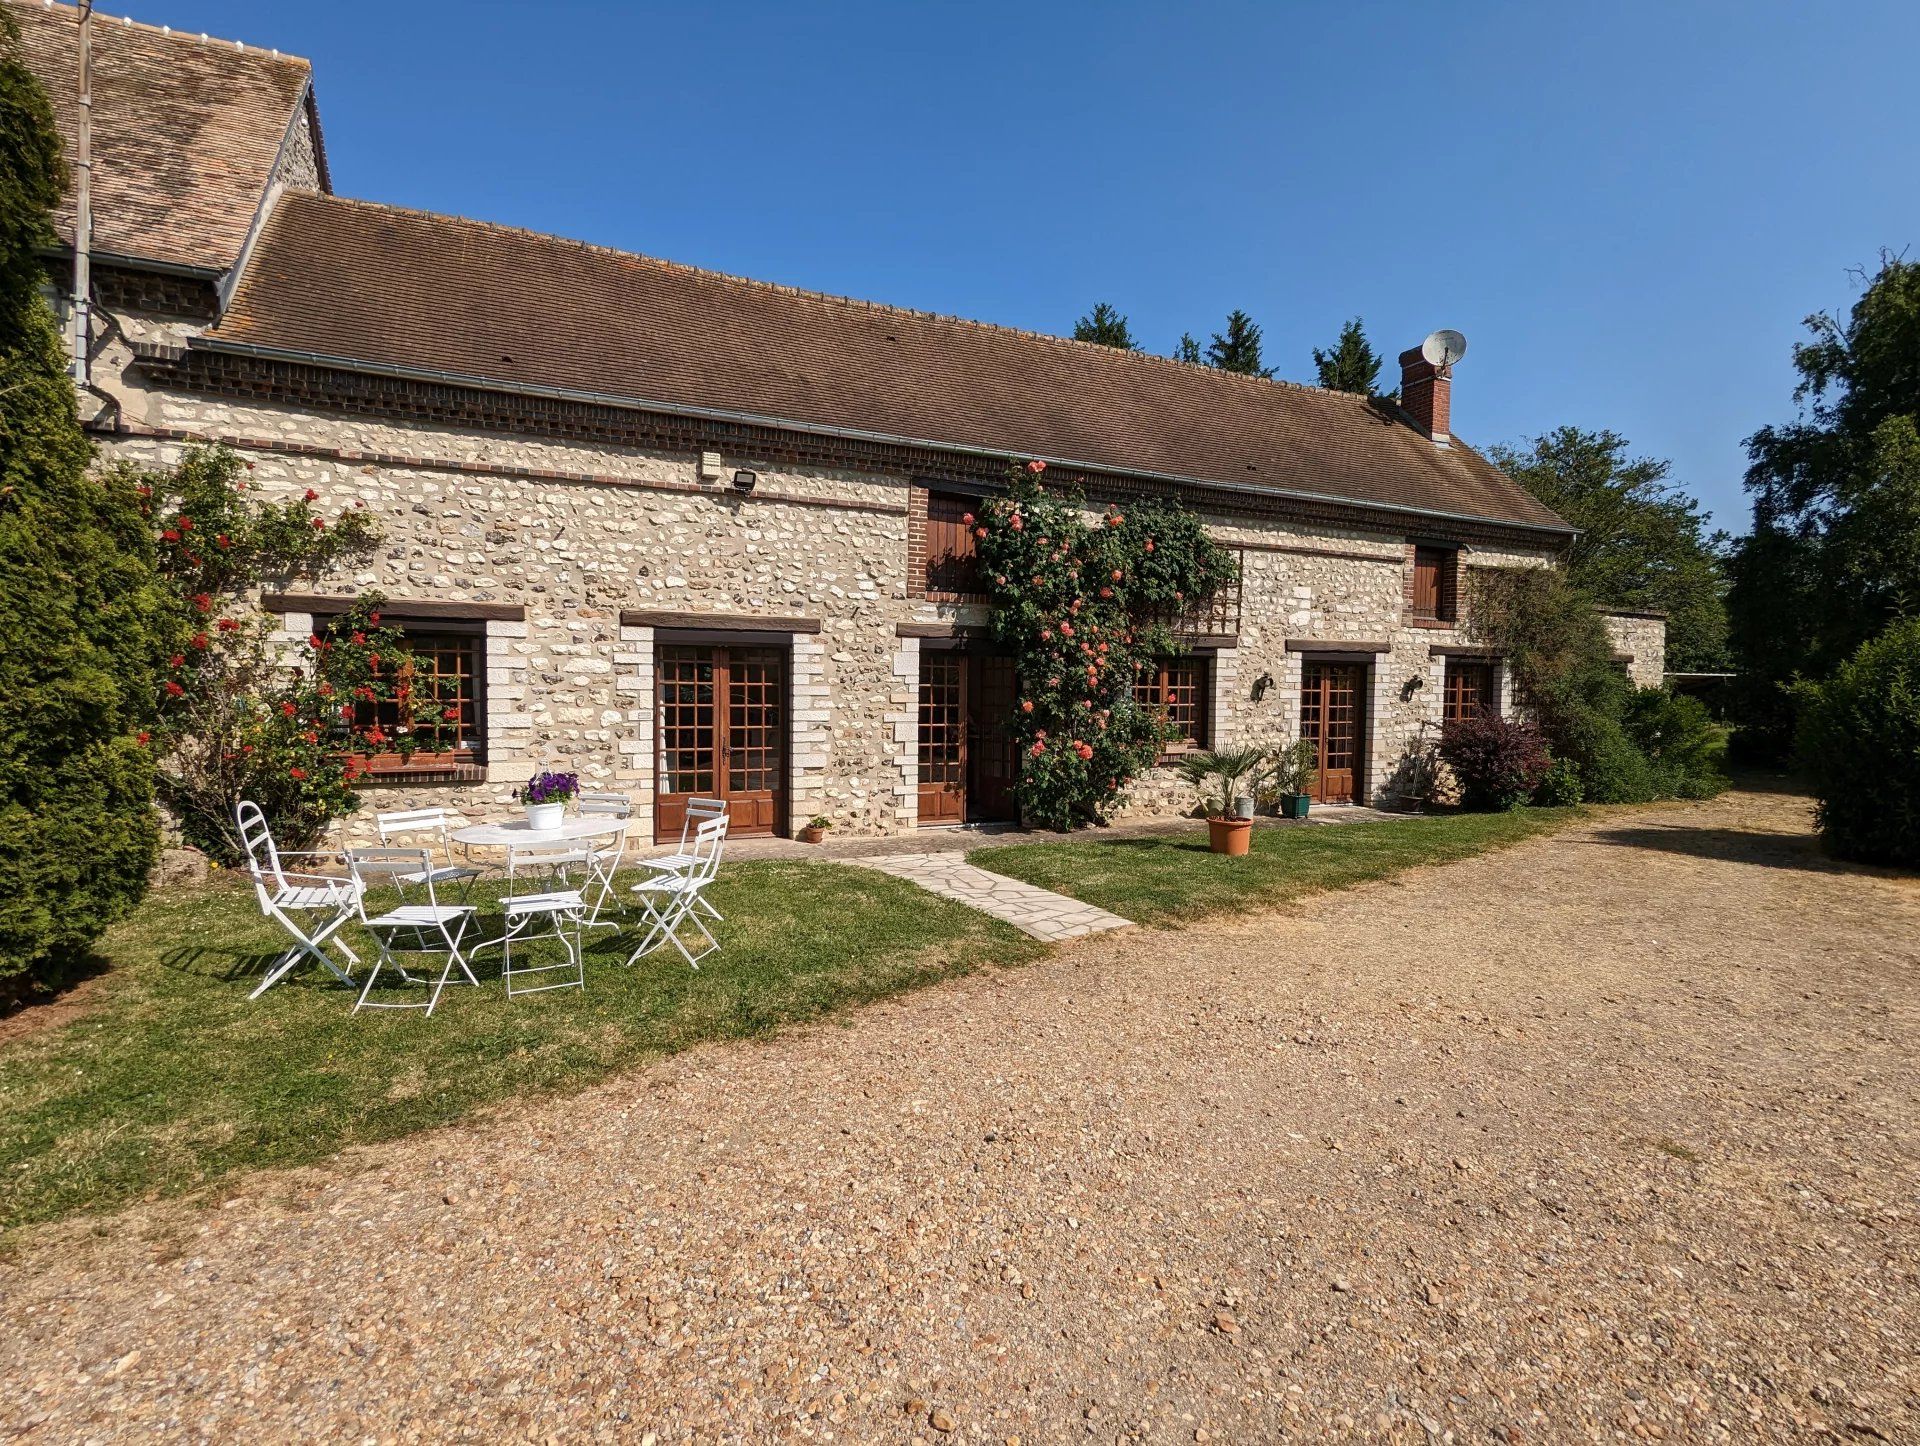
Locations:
column 288, row 709
column 186, row 524
column 979, row 532
column 1016, row 524
column 169, row 536
column 297, row 774
column 1038, row 749
column 359, row 638
column 346, row 710
column 967, row 518
column 1066, row 630
column 1046, row 634
column 229, row 625
column 311, row 736
column 223, row 540
column 452, row 715
column 203, row 601
column 142, row 736
column 1149, row 544
column 178, row 660
column 1116, row 574
column 1027, row 706
column 312, row 496
column 1036, row 467
column 143, row 490
column 1106, row 592
column 174, row 690
column 1114, row 519
column 314, row 642
column 199, row 641
column 319, row 524
column 374, row 618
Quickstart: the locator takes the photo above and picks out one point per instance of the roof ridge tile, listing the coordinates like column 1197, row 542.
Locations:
column 64, row 11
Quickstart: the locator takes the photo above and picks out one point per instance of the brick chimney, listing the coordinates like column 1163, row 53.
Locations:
column 1426, row 393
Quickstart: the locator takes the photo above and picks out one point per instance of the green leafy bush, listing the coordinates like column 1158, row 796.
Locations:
column 1498, row 761
column 1681, row 743
column 1860, row 745
column 1083, row 604
column 1561, row 787
column 77, row 646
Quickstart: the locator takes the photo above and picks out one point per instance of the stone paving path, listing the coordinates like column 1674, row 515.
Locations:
column 1039, row 912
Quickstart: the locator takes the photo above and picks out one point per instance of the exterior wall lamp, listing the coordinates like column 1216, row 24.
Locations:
column 745, row 481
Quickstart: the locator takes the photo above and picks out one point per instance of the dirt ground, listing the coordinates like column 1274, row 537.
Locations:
column 1608, row 1136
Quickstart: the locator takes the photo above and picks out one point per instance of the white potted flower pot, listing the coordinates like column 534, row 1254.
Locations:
column 545, row 817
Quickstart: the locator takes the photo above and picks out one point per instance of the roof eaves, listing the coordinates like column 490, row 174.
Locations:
column 209, row 342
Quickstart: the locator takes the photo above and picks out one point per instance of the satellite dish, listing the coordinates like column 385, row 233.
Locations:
column 1443, row 348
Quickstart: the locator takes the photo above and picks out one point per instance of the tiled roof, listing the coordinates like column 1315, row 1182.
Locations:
column 354, row 281
column 185, row 131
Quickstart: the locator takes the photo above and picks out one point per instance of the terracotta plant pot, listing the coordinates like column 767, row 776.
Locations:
column 1230, row 836
column 810, row 834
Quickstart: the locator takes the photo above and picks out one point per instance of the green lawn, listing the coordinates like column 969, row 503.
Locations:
column 174, row 1079
column 1167, row 880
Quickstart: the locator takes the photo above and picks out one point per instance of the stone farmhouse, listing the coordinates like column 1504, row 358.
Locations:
column 694, row 534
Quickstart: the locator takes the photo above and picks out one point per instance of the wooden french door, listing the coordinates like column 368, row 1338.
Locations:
column 1332, row 719
column 722, row 732
column 969, row 759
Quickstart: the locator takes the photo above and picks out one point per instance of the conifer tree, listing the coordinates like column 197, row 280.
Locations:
column 77, row 831
column 1351, row 365
column 1105, row 326
column 1189, row 350
column 1238, row 348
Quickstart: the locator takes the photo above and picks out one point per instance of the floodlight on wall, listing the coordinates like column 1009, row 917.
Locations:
column 745, row 481
column 1260, row 686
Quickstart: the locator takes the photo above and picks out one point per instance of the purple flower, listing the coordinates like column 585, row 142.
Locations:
column 551, row 788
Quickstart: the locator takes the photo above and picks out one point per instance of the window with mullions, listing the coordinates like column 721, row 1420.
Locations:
column 448, row 666
column 1179, row 689
column 1472, row 688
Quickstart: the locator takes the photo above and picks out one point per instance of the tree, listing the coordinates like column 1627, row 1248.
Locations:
column 1189, row 350
column 1830, row 562
column 1105, row 327
column 1351, row 365
column 1643, row 542
column 1238, row 348
column 77, row 831
column 1860, row 744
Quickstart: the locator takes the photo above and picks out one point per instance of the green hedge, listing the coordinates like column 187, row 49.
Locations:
column 1859, row 742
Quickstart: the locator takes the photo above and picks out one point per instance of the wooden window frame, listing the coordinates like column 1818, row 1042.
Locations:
column 465, row 762
column 1453, row 688
column 1444, row 563
column 1151, row 690
column 950, row 573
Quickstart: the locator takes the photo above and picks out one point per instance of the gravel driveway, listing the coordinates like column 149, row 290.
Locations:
column 1611, row 1135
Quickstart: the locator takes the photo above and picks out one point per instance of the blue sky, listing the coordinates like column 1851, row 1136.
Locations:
column 1627, row 208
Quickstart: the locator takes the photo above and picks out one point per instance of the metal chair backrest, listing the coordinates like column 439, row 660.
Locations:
column 699, row 811
column 263, row 856
column 417, row 820
column 597, row 803
column 391, row 865
column 709, row 838
column 531, row 855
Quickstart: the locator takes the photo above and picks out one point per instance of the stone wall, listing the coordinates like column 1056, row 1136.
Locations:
column 1640, row 641
column 576, row 534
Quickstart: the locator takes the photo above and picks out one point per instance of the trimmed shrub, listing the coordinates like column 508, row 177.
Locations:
column 1680, row 741
column 77, row 646
column 1860, row 745
column 1498, row 761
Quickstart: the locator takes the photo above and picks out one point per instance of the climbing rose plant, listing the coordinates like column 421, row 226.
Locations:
column 238, row 715
column 1084, row 602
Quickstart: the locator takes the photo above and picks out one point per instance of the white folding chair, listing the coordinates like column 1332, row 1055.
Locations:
column 436, row 822
column 604, row 854
column 699, row 811
column 671, row 897
column 525, row 912
column 283, row 895
column 409, row 928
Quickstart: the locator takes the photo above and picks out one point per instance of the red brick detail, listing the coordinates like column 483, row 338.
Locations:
column 1426, row 393
column 916, row 542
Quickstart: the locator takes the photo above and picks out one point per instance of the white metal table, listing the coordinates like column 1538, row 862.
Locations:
column 518, row 834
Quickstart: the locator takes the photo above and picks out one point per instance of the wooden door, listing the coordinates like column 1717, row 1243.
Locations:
column 1331, row 719
column 722, row 734
column 943, row 737
column 993, row 753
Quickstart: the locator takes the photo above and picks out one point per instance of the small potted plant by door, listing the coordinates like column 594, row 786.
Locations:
column 816, row 828
column 545, row 796
column 1291, row 776
column 1223, row 778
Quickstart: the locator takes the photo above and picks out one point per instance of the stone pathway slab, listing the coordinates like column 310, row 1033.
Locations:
column 1036, row 911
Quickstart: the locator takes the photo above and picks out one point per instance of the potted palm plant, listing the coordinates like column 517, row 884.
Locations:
column 1223, row 777
column 1290, row 775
